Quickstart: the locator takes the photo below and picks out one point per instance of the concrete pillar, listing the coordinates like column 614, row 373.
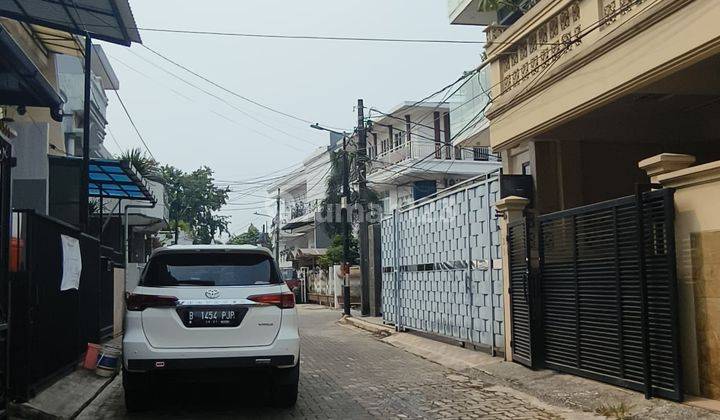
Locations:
column 664, row 163
column 511, row 208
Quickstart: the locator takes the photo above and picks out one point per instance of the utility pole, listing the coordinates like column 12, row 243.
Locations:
column 361, row 159
column 277, row 229
column 346, row 227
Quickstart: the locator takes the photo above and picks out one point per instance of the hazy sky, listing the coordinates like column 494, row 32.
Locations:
column 317, row 80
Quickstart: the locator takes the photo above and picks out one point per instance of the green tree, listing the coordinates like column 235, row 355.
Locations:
column 194, row 198
column 251, row 237
column 141, row 161
column 173, row 179
column 333, row 191
column 334, row 254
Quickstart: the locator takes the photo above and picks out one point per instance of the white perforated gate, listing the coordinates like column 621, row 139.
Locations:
column 441, row 265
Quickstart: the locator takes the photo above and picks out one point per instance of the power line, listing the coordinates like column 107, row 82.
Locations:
column 112, row 136
column 115, row 88
column 267, row 180
column 304, row 37
column 566, row 45
column 219, row 86
column 311, row 37
column 560, row 51
column 235, row 107
column 465, row 78
column 208, row 110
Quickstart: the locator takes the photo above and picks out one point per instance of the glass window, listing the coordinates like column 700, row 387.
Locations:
column 210, row 269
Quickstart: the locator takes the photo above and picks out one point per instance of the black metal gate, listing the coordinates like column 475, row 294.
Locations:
column 50, row 327
column 606, row 294
column 522, row 289
column 5, row 168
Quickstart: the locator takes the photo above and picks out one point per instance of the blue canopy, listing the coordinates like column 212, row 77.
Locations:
column 116, row 179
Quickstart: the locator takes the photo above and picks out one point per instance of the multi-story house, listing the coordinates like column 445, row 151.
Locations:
column 581, row 91
column 303, row 228
column 413, row 152
column 70, row 78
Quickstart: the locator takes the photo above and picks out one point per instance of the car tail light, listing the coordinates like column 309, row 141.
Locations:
column 135, row 302
column 281, row 300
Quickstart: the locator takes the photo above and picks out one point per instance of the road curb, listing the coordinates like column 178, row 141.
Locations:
column 381, row 330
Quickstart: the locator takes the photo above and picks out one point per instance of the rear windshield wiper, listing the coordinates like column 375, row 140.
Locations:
column 197, row 282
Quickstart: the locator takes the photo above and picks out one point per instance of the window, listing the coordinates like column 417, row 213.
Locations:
column 210, row 269
column 398, row 138
column 385, row 145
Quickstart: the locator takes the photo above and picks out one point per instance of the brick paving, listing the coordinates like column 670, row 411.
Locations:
column 345, row 373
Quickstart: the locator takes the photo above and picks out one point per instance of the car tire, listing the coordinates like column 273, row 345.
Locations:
column 136, row 387
column 284, row 390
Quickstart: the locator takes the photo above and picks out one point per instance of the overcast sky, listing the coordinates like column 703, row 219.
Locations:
column 316, row 80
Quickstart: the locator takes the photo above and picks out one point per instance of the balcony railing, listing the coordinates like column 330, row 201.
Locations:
column 428, row 150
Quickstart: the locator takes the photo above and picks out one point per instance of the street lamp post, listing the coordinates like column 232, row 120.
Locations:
column 265, row 231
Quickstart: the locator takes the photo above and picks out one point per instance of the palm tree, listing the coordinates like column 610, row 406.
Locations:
column 490, row 5
column 146, row 165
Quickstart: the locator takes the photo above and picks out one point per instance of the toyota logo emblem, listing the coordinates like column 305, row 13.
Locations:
column 212, row 293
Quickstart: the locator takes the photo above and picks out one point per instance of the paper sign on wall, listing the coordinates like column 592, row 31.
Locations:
column 72, row 263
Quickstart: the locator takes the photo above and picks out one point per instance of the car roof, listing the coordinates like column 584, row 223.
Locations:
column 184, row 249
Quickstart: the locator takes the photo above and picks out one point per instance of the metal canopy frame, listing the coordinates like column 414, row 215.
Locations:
column 116, row 179
column 107, row 20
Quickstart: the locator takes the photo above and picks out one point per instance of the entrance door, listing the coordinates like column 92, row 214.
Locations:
column 521, row 294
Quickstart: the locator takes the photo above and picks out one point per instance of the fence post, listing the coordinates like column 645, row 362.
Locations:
column 490, row 266
column 396, row 271
column 511, row 209
column 469, row 282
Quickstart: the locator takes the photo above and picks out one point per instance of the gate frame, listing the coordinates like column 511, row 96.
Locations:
column 463, row 187
column 669, row 216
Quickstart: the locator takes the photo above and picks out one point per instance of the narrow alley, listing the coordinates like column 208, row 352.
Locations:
column 345, row 373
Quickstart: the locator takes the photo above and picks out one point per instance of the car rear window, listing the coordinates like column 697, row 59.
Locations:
column 210, row 269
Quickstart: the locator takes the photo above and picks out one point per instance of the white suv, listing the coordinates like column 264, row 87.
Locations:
column 199, row 308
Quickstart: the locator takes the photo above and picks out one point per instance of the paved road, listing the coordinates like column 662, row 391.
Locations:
column 346, row 373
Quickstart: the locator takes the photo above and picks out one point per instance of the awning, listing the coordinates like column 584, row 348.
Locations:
column 311, row 252
column 304, row 220
column 21, row 82
column 107, row 20
column 116, row 179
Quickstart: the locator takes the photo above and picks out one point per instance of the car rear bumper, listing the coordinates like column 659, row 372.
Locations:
column 139, row 355
column 209, row 363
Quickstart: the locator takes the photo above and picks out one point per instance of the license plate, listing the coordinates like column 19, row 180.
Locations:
column 207, row 317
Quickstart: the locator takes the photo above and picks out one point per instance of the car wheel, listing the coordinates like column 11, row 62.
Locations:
column 136, row 388
column 284, row 389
